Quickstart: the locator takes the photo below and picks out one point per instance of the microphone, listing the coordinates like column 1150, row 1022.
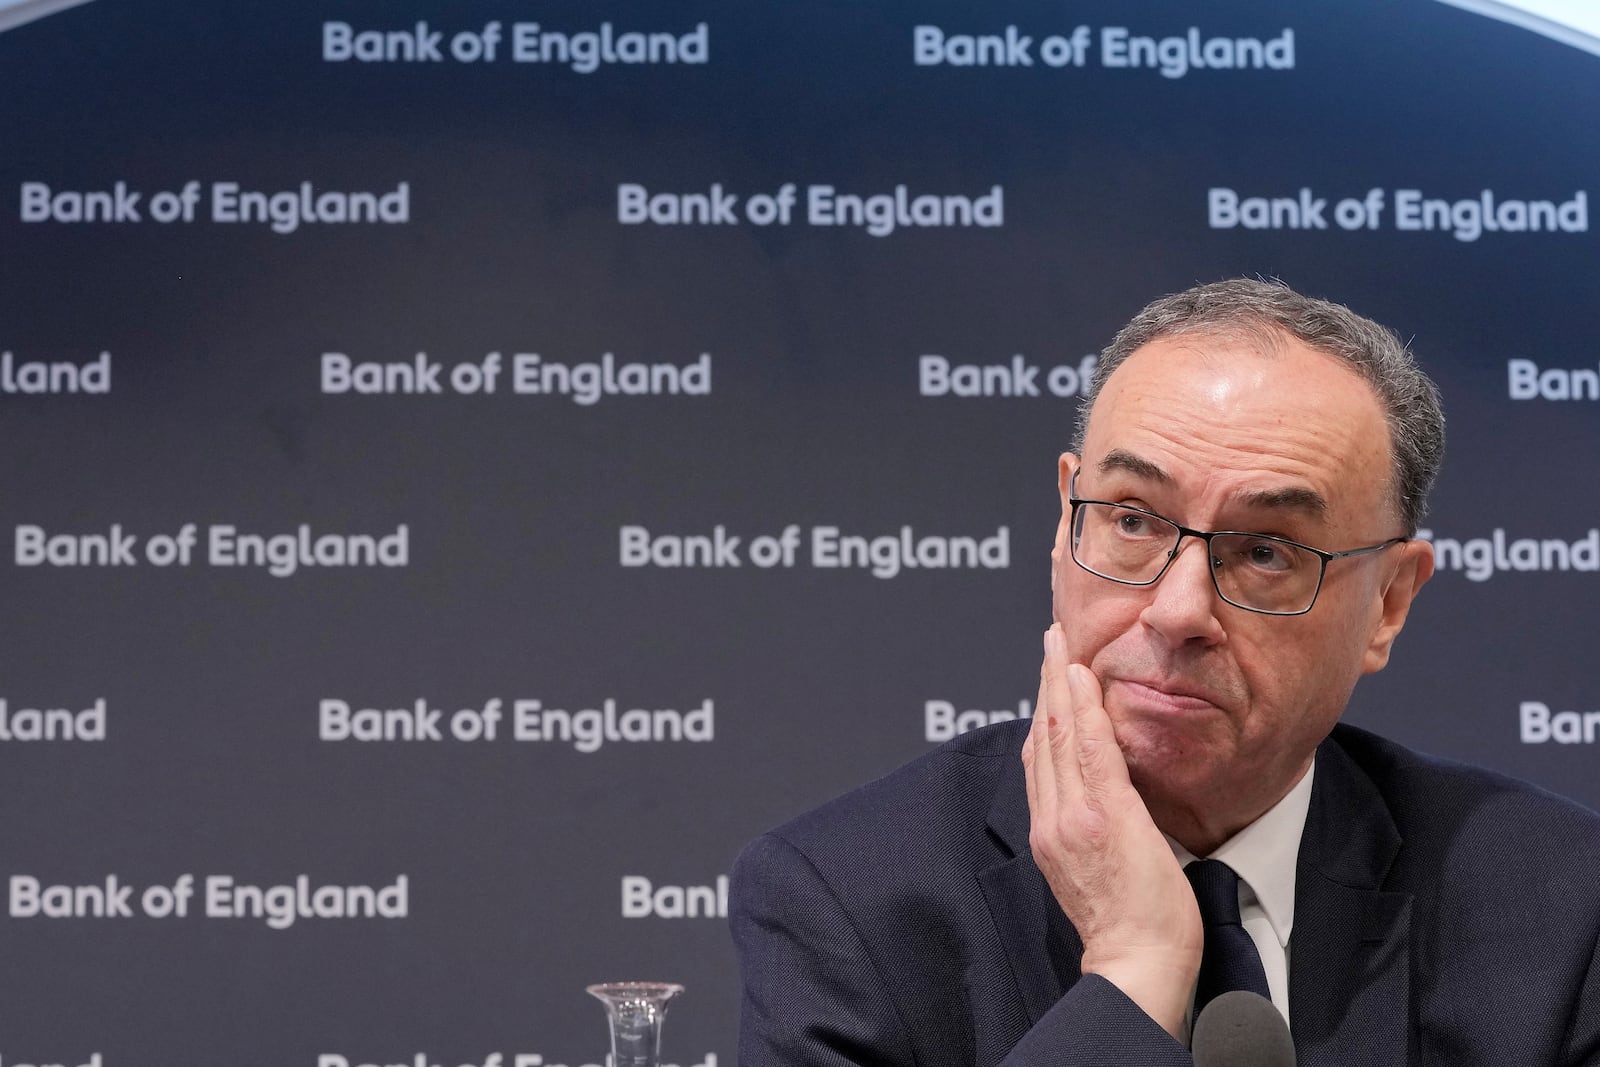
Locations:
column 1241, row 1029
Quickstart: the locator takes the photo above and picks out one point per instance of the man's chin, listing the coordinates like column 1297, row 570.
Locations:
column 1161, row 736
column 1160, row 764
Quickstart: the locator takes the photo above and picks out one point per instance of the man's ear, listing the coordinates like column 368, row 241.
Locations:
column 1066, row 466
column 1412, row 569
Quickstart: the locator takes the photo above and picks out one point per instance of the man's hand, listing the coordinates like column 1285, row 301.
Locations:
column 1109, row 867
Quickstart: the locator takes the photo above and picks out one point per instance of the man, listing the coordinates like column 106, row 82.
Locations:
column 1020, row 896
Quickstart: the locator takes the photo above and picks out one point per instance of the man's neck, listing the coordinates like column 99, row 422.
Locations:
column 1203, row 828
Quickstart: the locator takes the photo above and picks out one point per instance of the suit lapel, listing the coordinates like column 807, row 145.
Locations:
column 1349, row 964
column 1038, row 939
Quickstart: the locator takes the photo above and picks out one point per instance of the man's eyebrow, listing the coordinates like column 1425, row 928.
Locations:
column 1119, row 459
column 1291, row 498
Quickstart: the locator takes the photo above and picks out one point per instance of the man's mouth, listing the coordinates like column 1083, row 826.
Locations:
column 1172, row 695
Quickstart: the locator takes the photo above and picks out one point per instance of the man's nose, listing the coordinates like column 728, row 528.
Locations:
column 1183, row 606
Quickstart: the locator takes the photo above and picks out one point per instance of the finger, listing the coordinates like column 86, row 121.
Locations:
column 1064, row 759
column 1036, row 751
column 1035, row 722
column 1100, row 760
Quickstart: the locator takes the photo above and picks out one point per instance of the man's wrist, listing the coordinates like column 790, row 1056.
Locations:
column 1161, row 988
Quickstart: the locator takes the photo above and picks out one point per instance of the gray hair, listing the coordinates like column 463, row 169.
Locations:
column 1266, row 310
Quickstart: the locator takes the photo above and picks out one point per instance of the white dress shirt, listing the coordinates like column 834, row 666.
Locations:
column 1263, row 855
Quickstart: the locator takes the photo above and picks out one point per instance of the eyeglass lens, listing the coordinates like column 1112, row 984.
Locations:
column 1250, row 570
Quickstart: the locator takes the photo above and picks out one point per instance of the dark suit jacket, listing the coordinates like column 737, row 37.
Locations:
column 1443, row 915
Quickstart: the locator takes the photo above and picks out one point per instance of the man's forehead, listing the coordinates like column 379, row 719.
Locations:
column 1217, row 360
column 1281, row 425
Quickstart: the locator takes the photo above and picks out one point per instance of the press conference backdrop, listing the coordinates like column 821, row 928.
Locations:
column 468, row 467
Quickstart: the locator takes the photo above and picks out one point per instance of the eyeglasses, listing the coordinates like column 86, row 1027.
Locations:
column 1257, row 572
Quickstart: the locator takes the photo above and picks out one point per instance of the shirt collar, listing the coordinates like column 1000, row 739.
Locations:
column 1264, row 855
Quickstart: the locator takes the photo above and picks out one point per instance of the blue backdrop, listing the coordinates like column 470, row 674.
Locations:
column 471, row 466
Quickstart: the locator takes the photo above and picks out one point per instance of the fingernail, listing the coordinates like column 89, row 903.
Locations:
column 1079, row 679
column 1054, row 643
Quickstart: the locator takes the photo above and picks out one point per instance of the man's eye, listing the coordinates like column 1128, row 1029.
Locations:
column 1133, row 524
column 1269, row 556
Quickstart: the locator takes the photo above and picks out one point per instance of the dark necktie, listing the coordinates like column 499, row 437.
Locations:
column 1230, row 960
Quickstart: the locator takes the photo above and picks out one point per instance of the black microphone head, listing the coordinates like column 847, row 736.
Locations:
column 1241, row 1029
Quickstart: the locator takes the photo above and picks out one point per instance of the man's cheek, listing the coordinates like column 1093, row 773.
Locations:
column 1070, row 595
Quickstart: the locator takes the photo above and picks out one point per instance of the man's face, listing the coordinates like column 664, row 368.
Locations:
column 1218, row 709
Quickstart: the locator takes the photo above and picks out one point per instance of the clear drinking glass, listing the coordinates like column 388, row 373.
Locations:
column 635, row 1011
